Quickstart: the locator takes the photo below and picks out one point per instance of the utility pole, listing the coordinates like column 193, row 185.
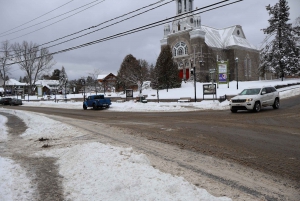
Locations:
column 194, row 46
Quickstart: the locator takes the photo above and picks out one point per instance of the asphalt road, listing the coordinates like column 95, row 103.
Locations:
column 268, row 141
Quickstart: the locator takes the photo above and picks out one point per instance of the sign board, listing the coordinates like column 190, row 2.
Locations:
column 39, row 90
column 212, row 70
column 129, row 93
column 209, row 89
column 223, row 72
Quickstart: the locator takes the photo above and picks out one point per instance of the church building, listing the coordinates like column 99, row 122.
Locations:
column 200, row 46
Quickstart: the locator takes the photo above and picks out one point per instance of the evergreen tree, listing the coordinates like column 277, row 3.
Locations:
column 166, row 70
column 280, row 54
column 55, row 74
column 63, row 79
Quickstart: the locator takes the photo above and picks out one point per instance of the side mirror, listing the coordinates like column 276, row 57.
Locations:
column 263, row 93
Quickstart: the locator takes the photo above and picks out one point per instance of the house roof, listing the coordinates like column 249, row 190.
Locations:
column 12, row 82
column 101, row 77
column 47, row 83
column 226, row 37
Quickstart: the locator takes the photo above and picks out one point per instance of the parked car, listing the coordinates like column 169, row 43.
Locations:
column 15, row 101
column 5, row 101
column 255, row 98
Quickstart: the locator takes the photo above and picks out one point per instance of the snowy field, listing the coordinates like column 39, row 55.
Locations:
column 107, row 172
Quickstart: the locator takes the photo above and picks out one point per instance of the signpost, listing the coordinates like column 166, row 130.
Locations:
column 223, row 72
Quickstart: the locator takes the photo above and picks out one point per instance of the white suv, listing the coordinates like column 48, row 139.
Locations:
column 255, row 98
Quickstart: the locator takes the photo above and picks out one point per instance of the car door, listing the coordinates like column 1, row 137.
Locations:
column 264, row 97
column 271, row 96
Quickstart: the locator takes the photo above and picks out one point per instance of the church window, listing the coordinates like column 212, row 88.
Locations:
column 190, row 6
column 247, row 67
column 185, row 5
column 180, row 49
column 179, row 7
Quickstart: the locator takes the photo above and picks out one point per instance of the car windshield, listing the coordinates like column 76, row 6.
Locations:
column 250, row 91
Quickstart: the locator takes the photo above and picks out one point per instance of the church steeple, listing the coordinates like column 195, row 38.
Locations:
column 183, row 6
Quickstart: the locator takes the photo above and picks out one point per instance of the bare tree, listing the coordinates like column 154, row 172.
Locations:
column 94, row 75
column 5, row 49
column 33, row 60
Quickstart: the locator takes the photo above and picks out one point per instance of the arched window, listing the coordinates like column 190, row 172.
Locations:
column 180, row 49
column 247, row 66
column 190, row 5
column 179, row 7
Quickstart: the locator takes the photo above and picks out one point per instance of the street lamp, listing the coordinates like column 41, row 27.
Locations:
column 83, row 84
column 66, row 89
column 201, row 64
column 237, row 72
column 194, row 71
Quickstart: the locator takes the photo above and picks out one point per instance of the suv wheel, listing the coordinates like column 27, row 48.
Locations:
column 84, row 107
column 256, row 107
column 276, row 104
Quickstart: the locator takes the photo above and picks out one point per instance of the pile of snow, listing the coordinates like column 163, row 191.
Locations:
column 3, row 129
column 39, row 126
column 96, row 171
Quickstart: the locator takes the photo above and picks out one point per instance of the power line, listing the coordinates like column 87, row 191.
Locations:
column 92, row 27
column 36, row 18
column 56, row 21
column 12, row 56
column 110, row 25
column 142, row 28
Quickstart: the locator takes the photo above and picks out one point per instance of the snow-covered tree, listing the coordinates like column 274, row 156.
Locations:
column 167, row 70
column 5, row 49
column 63, row 79
column 280, row 54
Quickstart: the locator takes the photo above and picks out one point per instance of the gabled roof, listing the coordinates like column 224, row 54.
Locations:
column 226, row 37
column 101, row 77
column 12, row 82
column 48, row 83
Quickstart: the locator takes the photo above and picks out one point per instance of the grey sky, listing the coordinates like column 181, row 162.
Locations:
column 107, row 56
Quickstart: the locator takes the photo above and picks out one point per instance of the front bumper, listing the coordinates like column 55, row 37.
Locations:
column 242, row 106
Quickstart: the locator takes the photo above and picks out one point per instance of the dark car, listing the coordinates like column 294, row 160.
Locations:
column 15, row 101
column 5, row 101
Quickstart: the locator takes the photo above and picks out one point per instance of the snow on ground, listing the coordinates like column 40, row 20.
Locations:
column 3, row 129
column 14, row 184
column 95, row 171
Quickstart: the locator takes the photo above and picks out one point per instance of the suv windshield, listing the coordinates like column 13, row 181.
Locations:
column 250, row 91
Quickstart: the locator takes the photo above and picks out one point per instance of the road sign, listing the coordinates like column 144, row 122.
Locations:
column 212, row 70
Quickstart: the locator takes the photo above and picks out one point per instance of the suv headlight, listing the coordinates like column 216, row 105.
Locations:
column 249, row 99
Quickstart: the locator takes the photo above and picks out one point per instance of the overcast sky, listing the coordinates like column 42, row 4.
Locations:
column 108, row 56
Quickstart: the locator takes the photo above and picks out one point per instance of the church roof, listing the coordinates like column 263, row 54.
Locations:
column 226, row 37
